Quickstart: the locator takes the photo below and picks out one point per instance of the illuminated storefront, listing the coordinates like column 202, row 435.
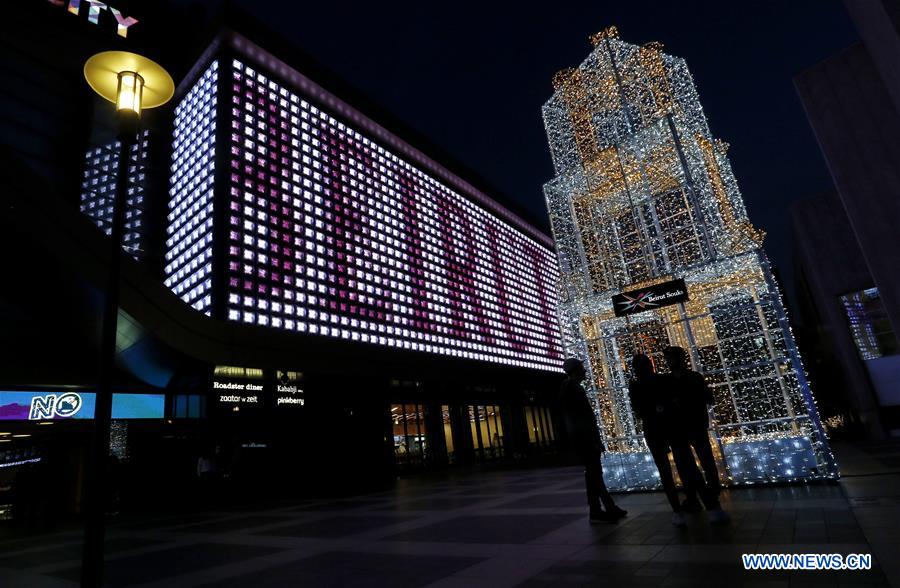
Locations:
column 655, row 249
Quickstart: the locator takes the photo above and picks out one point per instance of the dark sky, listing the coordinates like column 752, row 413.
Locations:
column 472, row 78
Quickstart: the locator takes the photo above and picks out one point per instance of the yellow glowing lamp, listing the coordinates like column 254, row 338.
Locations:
column 130, row 92
column 130, row 81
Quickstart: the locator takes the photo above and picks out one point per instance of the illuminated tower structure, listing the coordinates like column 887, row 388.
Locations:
column 655, row 249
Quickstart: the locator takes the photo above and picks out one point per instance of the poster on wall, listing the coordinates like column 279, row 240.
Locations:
column 650, row 298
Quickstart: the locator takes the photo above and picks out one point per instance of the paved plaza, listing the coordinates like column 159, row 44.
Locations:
column 494, row 529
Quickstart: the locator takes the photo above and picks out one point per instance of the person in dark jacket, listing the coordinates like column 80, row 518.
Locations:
column 692, row 399
column 652, row 403
column 584, row 437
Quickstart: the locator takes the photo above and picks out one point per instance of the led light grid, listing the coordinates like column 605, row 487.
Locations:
column 98, row 190
column 331, row 234
column 189, row 257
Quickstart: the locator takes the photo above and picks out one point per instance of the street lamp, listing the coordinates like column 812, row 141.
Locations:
column 133, row 83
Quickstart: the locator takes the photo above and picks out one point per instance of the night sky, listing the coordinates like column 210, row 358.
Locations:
column 472, row 79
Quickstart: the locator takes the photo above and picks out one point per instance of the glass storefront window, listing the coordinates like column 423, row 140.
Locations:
column 487, row 431
column 869, row 324
column 409, row 433
column 540, row 426
column 448, row 433
column 532, row 426
column 189, row 406
column 551, row 432
column 496, row 423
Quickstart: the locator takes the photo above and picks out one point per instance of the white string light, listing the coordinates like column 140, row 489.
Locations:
column 643, row 193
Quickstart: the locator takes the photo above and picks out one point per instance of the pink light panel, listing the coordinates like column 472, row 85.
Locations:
column 331, row 234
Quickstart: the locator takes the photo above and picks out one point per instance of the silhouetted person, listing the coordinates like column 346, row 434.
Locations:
column 584, row 437
column 692, row 398
column 25, row 507
column 206, row 466
column 113, row 485
column 651, row 401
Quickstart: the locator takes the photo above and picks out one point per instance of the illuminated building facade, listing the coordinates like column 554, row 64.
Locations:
column 417, row 326
column 655, row 249
column 98, row 189
column 295, row 218
column 291, row 212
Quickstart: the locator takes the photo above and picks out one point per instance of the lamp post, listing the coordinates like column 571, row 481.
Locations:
column 133, row 83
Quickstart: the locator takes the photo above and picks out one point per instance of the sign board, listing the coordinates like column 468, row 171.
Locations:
column 289, row 395
column 53, row 406
column 237, row 393
column 93, row 9
column 237, row 387
column 650, row 298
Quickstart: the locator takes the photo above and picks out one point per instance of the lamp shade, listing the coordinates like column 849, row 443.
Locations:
column 102, row 74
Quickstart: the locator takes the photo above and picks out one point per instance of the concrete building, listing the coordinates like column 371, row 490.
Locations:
column 852, row 100
column 655, row 249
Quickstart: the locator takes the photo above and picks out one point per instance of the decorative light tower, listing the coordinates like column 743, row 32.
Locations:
column 133, row 83
column 655, row 249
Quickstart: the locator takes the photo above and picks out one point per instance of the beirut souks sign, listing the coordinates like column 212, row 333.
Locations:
column 643, row 192
column 649, row 298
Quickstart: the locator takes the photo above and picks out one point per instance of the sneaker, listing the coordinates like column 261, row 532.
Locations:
column 618, row 512
column 602, row 517
column 691, row 505
column 719, row 517
column 678, row 519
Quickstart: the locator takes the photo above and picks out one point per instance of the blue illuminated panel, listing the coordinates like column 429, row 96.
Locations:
column 138, row 406
column 56, row 405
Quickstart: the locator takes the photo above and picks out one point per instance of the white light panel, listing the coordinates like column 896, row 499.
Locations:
column 333, row 235
column 189, row 240
column 98, row 190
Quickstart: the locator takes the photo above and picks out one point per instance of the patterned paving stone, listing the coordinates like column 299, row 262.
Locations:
column 489, row 529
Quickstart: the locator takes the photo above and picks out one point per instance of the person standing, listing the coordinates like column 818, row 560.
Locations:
column 584, row 437
column 691, row 398
column 652, row 403
column 206, row 467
